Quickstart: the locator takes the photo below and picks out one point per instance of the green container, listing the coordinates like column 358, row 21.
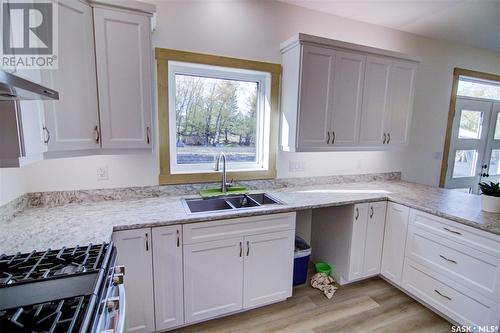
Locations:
column 216, row 192
column 323, row 267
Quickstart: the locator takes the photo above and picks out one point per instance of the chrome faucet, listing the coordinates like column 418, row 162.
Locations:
column 224, row 183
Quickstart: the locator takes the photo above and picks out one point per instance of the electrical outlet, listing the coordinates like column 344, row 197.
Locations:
column 102, row 172
column 296, row 166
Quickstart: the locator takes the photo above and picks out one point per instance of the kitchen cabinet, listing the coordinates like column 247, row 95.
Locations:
column 124, row 76
column 237, row 264
column 135, row 253
column 350, row 238
column 73, row 121
column 393, row 252
column 168, row 277
column 342, row 96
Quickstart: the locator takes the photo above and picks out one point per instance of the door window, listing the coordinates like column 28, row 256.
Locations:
column 465, row 163
column 495, row 162
column 471, row 124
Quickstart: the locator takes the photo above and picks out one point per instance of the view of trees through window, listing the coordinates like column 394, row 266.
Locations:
column 214, row 115
column 480, row 89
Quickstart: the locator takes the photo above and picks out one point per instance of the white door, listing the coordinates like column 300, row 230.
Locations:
column 268, row 268
column 73, row 120
column 168, row 280
column 134, row 252
column 374, row 238
column 469, row 138
column 124, row 56
column 213, row 279
column 375, row 101
column 401, row 90
column 490, row 168
column 396, row 226
column 347, row 98
column 358, row 237
column 316, row 84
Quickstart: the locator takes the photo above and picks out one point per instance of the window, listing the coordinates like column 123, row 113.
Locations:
column 472, row 87
column 208, row 105
column 471, row 123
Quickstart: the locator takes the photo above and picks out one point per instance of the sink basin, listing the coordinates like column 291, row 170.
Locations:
column 235, row 202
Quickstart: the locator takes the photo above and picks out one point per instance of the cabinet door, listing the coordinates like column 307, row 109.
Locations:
column 134, row 252
column 316, row 85
column 374, row 238
column 123, row 54
column 168, row 282
column 375, row 101
column 268, row 268
column 347, row 97
column 358, row 238
column 73, row 120
column 401, row 90
column 213, row 278
column 396, row 226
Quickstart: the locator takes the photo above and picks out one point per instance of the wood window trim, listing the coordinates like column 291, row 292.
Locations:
column 457, row 72
column 163, row 56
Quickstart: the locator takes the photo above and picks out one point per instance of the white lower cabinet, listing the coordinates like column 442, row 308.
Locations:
column 396, row 226
column 134, row 252
column 213, row 278
column 268, row 268
column 168, row 277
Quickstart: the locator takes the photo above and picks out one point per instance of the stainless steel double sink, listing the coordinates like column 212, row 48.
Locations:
column 225, row 203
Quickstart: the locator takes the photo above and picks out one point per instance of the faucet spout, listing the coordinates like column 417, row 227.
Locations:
column 222, row 157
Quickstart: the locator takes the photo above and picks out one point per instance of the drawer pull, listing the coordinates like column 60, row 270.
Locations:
column 241, row 249
column 452, row 231
column 450, row 260
column 357, row 214
column 444, row 296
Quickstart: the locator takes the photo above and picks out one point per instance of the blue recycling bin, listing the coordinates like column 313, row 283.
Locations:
column 301, row 261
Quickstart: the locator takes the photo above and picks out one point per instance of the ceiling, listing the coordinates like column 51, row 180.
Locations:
column 472, row 22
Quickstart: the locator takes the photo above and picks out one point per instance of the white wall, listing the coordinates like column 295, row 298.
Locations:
column 12, row 184
column 254, row 30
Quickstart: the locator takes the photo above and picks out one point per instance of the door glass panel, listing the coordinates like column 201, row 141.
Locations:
column 471, row 123
column 497, row 128
column 494, row 162
column 465, row 163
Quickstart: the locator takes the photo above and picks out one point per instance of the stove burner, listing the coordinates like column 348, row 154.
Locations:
column 59, row 316
column 34, row 266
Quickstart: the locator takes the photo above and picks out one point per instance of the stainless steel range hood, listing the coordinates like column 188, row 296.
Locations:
column 15, row 88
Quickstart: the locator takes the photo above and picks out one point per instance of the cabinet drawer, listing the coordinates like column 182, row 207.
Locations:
column 472, row 268
column 458, row 303
column 459, row 233
column 230, row 228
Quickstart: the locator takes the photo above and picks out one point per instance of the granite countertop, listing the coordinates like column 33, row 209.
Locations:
column 83, row 223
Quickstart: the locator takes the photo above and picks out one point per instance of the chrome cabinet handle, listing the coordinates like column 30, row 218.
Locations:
column 385, row 138
column 46, row 139
column 178, row 238
column 452, row 231
column 371, row 212
column 388, row 138
column 241, row 249
column 333, row 137
column 147, row 135
column 97, row 134
column 357, row 213
column 328, row 140
column 442, row 295
column 450, row 260
column 248, row 248
column 147, row 242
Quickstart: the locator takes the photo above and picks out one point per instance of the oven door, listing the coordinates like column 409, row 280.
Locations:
column 111, row 313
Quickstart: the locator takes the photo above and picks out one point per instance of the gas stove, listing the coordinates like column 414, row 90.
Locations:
column 66, row 290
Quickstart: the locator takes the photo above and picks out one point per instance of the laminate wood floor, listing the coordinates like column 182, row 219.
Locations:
column 372, row 305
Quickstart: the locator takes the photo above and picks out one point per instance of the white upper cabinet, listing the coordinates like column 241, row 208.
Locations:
column 315, row 96
column 401, row 90
column 347, row 97
column 375, row 101
column 341, row 96
column 73, row 120
column 124, row 56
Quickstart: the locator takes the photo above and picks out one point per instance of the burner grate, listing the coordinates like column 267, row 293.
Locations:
column 59, row 316
column 40, row 265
